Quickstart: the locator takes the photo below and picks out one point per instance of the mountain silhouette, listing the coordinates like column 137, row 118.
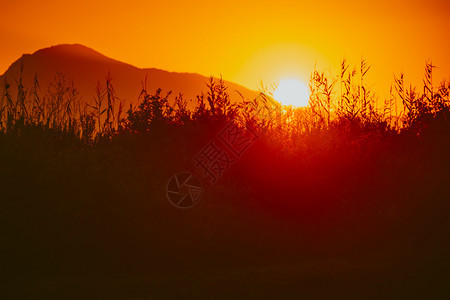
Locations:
column 86, row 67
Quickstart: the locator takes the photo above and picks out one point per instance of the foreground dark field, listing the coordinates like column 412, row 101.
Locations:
column 327, row 279
column 347, row 206
column 96, row 222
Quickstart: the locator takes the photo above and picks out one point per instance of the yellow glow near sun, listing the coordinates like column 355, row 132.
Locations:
column 293, row 92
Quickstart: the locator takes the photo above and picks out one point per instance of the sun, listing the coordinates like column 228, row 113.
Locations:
column 292, row 91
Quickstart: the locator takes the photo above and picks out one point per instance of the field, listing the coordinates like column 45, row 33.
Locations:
column 346, row 198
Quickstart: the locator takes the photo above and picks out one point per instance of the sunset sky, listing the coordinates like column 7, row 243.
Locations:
column 245, row 41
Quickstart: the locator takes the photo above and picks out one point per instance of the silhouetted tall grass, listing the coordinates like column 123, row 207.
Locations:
column 61, row 108
column 83, row 184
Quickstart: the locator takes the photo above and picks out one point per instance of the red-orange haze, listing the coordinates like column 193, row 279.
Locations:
column 245, row 41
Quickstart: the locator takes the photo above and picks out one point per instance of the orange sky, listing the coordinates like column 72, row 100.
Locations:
column 245, row 41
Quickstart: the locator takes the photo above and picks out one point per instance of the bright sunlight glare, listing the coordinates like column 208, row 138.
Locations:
column 292, row 92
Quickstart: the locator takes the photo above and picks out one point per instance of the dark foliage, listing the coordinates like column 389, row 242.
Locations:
column 355, row 197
